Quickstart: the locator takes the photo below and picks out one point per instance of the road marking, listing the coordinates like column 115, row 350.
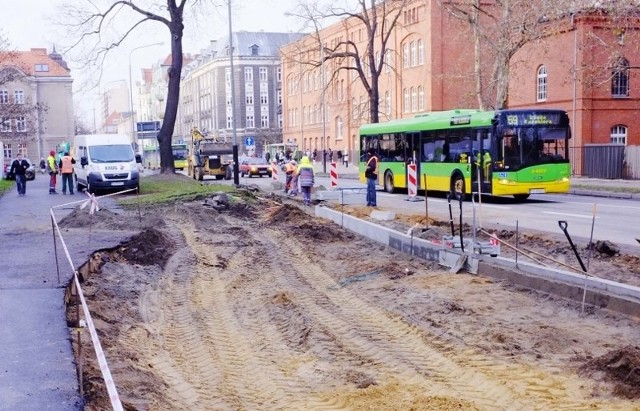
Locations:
column 440, row 200
column 569, row 215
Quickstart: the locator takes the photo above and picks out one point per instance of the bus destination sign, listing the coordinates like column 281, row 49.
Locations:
column 533, row 119
column 460, row 120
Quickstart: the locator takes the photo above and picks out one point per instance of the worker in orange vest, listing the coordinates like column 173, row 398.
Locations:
column 289, row 169
column 66, row 170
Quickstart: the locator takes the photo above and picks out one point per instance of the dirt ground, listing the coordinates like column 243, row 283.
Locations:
column 263, row 307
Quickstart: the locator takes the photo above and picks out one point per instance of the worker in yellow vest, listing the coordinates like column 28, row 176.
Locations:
column 52, row 169
column 66, row 170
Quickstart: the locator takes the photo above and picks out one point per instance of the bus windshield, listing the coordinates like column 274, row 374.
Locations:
column 525, row 146
column 180, row 153
column 120, row 153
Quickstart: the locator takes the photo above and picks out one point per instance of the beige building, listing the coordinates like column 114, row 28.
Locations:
column 426, row 53
column 42, row 82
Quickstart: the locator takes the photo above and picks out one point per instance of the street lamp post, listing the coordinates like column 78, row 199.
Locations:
column 131, row 114
column 236, row 178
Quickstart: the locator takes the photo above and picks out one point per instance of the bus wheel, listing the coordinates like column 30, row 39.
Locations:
column 388, row 182
column 458, row 187
column 521, row 197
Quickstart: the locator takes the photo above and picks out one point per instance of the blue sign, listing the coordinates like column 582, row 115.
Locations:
column 249, row 141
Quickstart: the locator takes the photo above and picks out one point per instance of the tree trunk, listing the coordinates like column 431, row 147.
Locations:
column 477, row 63
column 173, row 97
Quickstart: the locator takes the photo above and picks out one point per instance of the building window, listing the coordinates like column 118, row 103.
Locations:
column 264, row 97
column 420, row 98
column 339, row 128
column 341, row 90
column 619, row 135
column 42, row 67
column 250, row 121
column 254, row 50
column 229, row 122
column 279, row 96
column 263, row 74
column 22, row 149
column 304, row 115
column 541, row 94
column 19, row 96
column 7, row 150
column 249, row 98
column 264, row 121
column 248, row 74
column 21, row 124
column 388, row 62
column 405, row 93
column 278, row 74
column 414, row 100
column 280, row 121
column 405, row 55
column 620, row 79
column 412, row 48
column 6, row 125
column 420, row 52
column 4, row 96
column 387, row 100
column 354, row 108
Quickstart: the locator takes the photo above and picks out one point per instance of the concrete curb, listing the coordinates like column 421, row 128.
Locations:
column 599, row 292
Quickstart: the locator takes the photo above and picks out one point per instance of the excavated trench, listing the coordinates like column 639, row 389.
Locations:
column 262, row 306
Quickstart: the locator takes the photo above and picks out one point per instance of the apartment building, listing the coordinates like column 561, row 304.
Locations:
column 428, row 65
column 41, row 82
column 208, row 102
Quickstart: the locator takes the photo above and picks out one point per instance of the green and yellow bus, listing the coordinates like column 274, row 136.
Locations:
column 180, row 154
column 500, row 153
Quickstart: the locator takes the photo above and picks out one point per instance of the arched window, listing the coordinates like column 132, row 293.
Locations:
column 414, row 100
column 420, row 52
column 542, row 84
column 405, row 94
column 620, row 79
column 339, row 128
column 619, row 134
column 420, row 98
column 387, row 102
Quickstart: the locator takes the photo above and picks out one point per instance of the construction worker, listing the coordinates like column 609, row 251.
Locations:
column 66, row 170
column 52, row 169
column 289, row 169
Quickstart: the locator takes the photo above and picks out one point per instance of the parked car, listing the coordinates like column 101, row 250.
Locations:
column 254, row 166
column 30, row 173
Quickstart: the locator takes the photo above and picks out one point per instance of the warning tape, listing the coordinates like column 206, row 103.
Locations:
column 102, row 361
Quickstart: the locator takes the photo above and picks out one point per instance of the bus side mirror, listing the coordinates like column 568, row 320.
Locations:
column 138, row 159
column 83, row 161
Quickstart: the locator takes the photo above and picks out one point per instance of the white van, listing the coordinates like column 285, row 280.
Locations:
column 105, row 162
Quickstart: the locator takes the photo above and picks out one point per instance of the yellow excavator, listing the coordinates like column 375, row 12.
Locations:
column 209, row 156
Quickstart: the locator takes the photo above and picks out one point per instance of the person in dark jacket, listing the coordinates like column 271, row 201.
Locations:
column 18, row 169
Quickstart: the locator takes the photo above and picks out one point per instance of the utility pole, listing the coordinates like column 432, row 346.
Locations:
column 236, row 176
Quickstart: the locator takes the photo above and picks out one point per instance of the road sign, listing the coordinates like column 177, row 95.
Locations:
column 249, row 141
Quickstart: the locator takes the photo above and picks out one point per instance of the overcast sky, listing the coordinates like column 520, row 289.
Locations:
column 28, row 24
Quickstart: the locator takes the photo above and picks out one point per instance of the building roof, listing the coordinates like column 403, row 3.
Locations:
column 49, row 65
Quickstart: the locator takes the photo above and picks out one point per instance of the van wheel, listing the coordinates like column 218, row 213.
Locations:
column 388, row 182
column 458, row 187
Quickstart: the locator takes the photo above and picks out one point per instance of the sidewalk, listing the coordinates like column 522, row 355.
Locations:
column 37, row 367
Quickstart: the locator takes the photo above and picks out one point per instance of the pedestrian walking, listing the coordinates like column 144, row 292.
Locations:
column 345, row 158
column 306, row 179
column 371, row 173
column 52, row 169
column 315, row 155
column 66, row 171
column 18, row 170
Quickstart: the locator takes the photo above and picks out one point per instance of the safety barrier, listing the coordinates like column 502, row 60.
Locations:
column 334, row 174
column 412, row 180
column 274, row 171
column 92, row 204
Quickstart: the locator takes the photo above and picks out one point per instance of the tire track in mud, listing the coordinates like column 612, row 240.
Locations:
column 391, row 341
column 250, row 377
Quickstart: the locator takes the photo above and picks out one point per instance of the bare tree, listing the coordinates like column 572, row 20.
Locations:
column 98, row 21
column 18, row 116
column 379, row 18
column 500, row 29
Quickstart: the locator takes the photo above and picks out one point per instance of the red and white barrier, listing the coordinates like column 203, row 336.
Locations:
column 412, row 180
column 274, row 172
column 334, row 174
